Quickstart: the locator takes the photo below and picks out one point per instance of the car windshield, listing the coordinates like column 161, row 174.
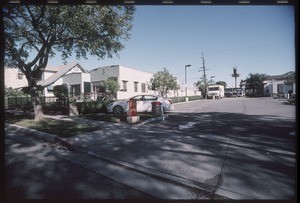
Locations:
column 145, row 98
column 213, row 88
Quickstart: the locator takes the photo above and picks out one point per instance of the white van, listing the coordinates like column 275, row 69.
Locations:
column 215, row 91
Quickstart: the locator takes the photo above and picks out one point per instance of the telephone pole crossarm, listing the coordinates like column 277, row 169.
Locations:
column 235, row 74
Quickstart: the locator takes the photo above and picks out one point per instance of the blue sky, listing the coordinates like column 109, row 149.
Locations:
column 255, row 39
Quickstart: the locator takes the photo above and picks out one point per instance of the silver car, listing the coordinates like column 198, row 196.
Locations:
column 143, row 102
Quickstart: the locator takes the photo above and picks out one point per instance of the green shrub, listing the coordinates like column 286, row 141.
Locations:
column 90, row 107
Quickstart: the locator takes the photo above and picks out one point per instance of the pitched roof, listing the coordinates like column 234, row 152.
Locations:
column 53, row 68
column 60, row 72
column 281, row 77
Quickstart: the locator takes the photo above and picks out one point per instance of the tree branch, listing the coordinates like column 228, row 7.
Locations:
column 34, row 23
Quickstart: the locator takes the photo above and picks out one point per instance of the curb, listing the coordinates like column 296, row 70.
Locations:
column 34, row 133
column 201, row 188
column 153, row 120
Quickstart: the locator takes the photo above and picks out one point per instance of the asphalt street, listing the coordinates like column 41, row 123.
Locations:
column 235, row 148
column 240, row 148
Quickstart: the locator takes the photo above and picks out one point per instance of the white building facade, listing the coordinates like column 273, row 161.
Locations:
column 131, row 81
column 14, row 78
column 73, row 75
column 276, row 85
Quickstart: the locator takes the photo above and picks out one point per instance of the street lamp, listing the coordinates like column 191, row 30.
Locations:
column 186, row 98
column 211, row 77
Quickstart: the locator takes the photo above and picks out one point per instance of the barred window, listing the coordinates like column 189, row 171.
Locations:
column 143, row 87
column 136, row 89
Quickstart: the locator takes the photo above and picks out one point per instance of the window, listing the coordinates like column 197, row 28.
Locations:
column 50, row 88
column 75, row 90
column 143, row 87
column 20, row 76
column 124, row 85
column 103, row 71
column 280, row 88
column 138, row 98
column 213, row 88
column 149, row 98
column 136, row 89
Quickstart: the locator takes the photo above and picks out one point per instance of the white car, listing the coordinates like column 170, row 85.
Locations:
column 143, row 103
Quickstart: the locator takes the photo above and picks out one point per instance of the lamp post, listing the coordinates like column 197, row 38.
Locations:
column 211, row 77
column 186, row 98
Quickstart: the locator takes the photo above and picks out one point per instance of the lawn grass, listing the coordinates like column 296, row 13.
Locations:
column 67, row 128
column 49, row 125
column 114, row 118
column 103, row 117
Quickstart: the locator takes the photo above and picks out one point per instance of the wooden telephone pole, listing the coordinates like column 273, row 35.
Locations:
column 204, row 75
column 235, row 75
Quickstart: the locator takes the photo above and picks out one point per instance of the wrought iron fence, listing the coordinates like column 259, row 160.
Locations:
column 17, row 102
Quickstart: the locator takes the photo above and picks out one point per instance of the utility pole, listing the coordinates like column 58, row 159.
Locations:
column 235, row 74
column 204, row 75
column 186, row 98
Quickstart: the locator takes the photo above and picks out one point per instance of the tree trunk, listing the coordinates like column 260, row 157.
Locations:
column 36, row 101
column 37, row 107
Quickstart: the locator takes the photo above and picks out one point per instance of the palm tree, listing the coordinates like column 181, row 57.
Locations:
column 255, row 82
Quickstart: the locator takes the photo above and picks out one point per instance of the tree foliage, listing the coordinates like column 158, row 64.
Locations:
column 163, row 82
column 61, row 91
column 12, row 92
column 222, row 83
column 111, row 88
column 201, row 87
column 35, row 33
column 255, row 82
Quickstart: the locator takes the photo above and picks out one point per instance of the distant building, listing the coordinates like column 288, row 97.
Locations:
column 131, row 81
column 14, row 78
column 191, row 91
column 272, row 86
column 276, row 85
column 73, row 75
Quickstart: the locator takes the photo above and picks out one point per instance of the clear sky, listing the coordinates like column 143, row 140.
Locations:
column 255, row 39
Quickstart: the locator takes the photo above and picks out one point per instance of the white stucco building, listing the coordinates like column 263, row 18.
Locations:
column 131, row 81
column 275, row 85
column 14, row 78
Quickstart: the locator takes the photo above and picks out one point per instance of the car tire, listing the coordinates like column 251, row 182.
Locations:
column 118, row 110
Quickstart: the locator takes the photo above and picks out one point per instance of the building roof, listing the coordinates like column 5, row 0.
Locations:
column 120, row 66
column 53, row 68
column 60, row 71
column 281, row 77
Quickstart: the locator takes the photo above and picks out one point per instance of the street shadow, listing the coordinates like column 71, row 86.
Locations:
column 256, row 152
column 261, row 149
column 34, row 172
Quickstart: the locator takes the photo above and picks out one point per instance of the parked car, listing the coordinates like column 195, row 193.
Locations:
column 143, row 102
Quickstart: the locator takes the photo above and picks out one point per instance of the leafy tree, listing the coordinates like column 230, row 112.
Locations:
column 60, row 91
column 12, row 92
column 222, row 83
column 201, row 87
column 255, row 83
column 35, row 33
column 163, row 82
column 111, row 87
